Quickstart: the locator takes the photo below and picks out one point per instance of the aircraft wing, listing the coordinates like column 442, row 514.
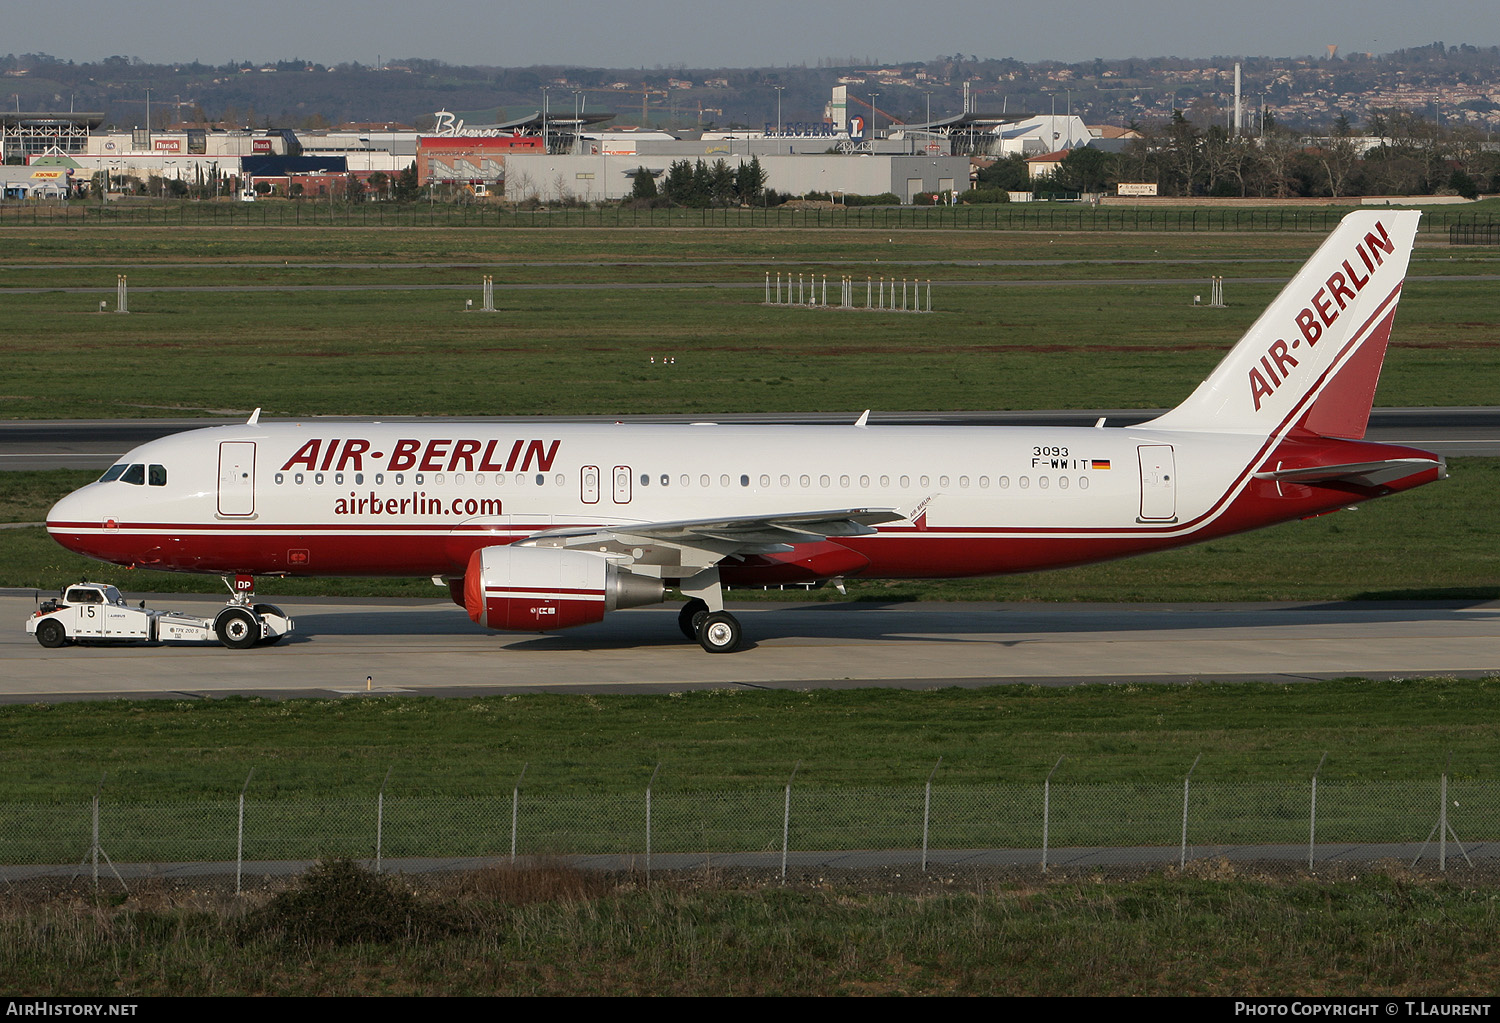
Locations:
column 1364, row 474
column 705, row 542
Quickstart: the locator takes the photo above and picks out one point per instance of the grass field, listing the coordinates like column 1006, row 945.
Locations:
column 347, row 322
column 180, row 751
column 552, row 932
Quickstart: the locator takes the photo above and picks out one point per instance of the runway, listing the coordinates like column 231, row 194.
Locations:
column 95, row 444
column 431, row 648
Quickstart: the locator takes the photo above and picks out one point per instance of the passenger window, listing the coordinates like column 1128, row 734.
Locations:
column 541, row 479
column 1062, row 481
column 318, row 479
column 157, row 475
column 906, row 481
column 436, row 479
column 984, row 482
column 299, row 479
column 1083, row 483
column 666, row 480
column 744, row 481
column 135, row 475
column 704, row 480
column 1025, row 482
column 864, row 481
column 844, row 481
column 338, row 478
column 645, row 479
column 417, row 479
column 823, row 481
column 1042, row 481
column 765, row 480
column 279, row 478
column 1004, row 482
column 786, row 480
column 379, row 478
column 804, row 480
column 400, row 478
column 359, row 479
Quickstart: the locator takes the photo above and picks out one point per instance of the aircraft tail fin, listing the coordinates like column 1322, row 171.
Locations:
column 1310, row 363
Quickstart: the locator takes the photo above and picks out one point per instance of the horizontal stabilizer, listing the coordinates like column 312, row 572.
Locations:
column 1364, row 474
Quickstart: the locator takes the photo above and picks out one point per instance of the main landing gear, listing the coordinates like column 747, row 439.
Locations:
column 718, row 632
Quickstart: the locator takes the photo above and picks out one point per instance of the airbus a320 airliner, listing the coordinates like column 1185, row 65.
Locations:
column 550, row 525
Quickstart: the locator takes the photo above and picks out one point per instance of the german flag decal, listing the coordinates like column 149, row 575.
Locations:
column 1100, row 463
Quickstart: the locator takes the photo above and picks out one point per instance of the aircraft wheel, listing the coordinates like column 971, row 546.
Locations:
column 51, row 634
column 237, row 628
column 692, row 613
column 719, row 633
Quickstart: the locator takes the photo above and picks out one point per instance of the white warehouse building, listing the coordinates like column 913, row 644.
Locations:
column 552, row 177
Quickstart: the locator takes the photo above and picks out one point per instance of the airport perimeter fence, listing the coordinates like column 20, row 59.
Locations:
column 960, row 831
column 996, row 217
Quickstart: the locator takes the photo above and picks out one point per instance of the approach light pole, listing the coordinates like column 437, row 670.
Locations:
column 779, row 89
column 874, row 113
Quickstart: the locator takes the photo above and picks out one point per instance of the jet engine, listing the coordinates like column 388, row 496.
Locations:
column 538, row 589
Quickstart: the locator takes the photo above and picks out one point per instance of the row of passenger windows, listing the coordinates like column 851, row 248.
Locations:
column 904, row 482
column 665, row 480
column 136, row 473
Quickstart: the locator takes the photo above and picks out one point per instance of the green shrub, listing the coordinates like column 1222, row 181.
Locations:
column 338, row 902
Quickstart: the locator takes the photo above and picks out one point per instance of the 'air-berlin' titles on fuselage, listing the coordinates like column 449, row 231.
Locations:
column 437, row 455
column 1319, row 312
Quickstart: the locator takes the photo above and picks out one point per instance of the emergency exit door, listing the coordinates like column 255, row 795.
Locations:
column 237, row 477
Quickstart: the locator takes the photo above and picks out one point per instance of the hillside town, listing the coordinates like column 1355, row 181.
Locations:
column 954, row 128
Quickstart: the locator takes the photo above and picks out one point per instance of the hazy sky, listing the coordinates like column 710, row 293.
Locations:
column 715, row 33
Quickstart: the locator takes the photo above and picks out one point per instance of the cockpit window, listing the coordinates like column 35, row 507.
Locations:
column 112, row 473
column 156, row 475
column 136, row 474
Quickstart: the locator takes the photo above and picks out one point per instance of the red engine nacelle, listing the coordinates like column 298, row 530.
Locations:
column 538, row 589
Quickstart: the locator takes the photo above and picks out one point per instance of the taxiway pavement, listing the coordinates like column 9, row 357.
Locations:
column 431, row 648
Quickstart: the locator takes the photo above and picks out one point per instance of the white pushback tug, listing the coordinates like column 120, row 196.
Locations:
column 98, row 612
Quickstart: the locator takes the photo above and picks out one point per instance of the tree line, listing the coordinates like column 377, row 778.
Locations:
column 699, row 185
column 1396, row 153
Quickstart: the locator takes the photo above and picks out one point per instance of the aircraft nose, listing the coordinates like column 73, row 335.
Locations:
column 75, row 517
column 74, row 509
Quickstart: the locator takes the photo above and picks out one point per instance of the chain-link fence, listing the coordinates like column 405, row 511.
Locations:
column 1045, row 826
column 1473, row 227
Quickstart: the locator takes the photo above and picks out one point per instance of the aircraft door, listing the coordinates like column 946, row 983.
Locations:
column 622, row 484
column 1158, row 483
column 237, row 477
column 589, row 484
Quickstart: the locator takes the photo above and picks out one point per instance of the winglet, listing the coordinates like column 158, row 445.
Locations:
column 254, row 419
column 864, row 420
